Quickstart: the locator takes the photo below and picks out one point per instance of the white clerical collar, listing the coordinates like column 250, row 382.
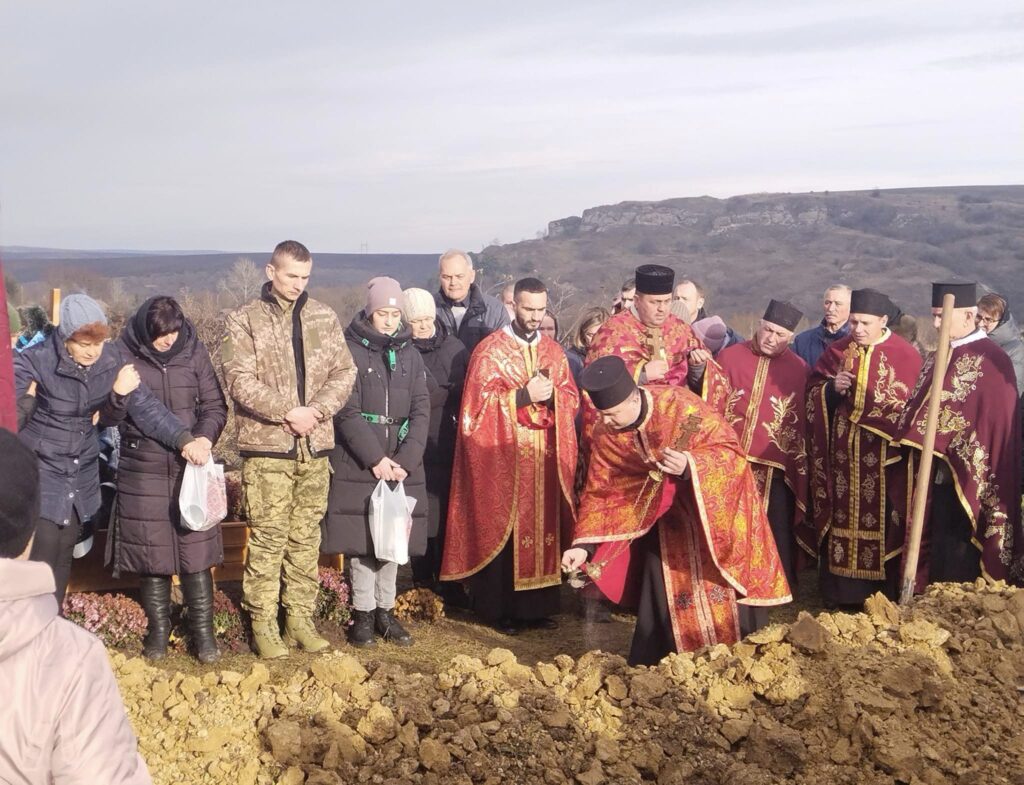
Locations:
column 509, row 331
column 977, row 335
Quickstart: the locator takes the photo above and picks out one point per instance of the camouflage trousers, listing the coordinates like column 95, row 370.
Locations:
column 285, row 500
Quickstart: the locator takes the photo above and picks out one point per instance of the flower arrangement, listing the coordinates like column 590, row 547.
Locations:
column 332, row 601
column 115, row 619
column 120, row 622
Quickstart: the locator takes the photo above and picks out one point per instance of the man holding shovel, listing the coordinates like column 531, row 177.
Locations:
column 971, row 524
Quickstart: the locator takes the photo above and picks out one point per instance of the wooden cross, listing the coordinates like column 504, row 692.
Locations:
column 691, row 427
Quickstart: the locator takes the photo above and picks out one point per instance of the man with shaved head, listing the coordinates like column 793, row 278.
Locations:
column 462, row 309
column 812, row 343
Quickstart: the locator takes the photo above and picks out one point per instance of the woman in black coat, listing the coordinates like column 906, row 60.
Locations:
column 150, row 539
column 80, row 380
column 445, row 358
column 381, row 434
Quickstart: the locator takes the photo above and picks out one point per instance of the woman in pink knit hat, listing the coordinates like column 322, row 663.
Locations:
column 381, row 435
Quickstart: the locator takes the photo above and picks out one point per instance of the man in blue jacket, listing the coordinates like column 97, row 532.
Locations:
column 812, row 343
column 462, row 309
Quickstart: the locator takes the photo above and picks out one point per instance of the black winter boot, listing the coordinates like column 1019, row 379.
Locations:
column 360, row 634
column 155, row 594
column 390, row 630
column 198, row 590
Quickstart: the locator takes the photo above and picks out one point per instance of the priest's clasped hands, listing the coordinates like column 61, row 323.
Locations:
column 843, row 382
column 674, row 462
column 540, row 389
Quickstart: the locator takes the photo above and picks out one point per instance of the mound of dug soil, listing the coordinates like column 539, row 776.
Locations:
column 927, row 695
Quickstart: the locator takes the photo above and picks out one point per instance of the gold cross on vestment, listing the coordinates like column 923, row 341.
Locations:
column 850, row 357
column 656, row 343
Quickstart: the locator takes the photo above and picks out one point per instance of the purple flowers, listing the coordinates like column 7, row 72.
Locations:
column 115, row 619
column 332, row 601
column 120, row 622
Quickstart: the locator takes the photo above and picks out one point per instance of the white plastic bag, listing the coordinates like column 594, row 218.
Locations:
column 203, row 499
column 391, row 522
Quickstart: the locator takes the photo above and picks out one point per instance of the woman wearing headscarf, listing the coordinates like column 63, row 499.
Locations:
column 81, row 381
column 381, row 435
column 150, row 539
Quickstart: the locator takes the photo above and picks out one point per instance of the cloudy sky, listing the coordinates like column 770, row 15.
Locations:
column 417, row 126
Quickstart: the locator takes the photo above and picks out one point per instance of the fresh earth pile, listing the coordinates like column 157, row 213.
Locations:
column 926, row 695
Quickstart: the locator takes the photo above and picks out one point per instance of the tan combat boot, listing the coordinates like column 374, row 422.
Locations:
column 266, row 639
column 301, row 631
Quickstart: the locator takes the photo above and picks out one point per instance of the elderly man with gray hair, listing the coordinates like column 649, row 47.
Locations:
column 463, row 310
column 812, row 343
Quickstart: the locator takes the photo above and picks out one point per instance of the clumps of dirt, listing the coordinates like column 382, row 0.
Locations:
column 419, row 605
column 927, row 695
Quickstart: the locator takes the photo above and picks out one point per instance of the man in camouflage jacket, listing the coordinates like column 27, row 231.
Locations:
column 288, row 370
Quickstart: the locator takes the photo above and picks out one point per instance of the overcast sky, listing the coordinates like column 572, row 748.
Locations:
column 414, row 126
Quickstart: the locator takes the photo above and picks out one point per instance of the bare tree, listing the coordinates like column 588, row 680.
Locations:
column 242, row 284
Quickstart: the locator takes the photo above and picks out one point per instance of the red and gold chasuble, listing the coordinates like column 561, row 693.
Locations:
column 716, row 544
column 625, row 336
column 850, row 450
column 978, row 438
column 514, row 467
column 768, row 411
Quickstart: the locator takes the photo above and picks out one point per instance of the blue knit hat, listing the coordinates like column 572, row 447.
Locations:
column 76, row 311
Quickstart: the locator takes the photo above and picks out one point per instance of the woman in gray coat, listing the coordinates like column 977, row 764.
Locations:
column 381, row 435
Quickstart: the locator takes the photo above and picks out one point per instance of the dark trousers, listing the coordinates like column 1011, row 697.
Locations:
column 781, row 508
column 951, row 554
column 653, row 638
column 494, row 596
column 54, row 545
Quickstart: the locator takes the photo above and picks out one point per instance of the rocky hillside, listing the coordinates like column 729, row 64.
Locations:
column 746, row 249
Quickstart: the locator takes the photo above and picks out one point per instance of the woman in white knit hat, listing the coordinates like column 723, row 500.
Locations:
column 445, row 358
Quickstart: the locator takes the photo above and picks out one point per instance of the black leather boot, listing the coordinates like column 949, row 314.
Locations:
column 198, row 590
column 360, row 634
column 390, row 630
column 155, row 594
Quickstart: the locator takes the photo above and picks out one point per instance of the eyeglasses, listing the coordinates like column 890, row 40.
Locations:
column 982, row 319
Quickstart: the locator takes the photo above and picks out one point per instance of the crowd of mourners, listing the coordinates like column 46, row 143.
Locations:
column 653, row 457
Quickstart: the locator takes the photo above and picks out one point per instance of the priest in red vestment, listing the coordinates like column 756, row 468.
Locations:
column 656, row 346
column 855, row 398
column 973, row 513
column 766, row 407
column 671, row 521
column 511, row 510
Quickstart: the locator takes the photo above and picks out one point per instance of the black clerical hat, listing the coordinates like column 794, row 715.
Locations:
column 870, row 301
column 966, row 294
column 607, row 381
column 654, row 279
column 784, row 314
